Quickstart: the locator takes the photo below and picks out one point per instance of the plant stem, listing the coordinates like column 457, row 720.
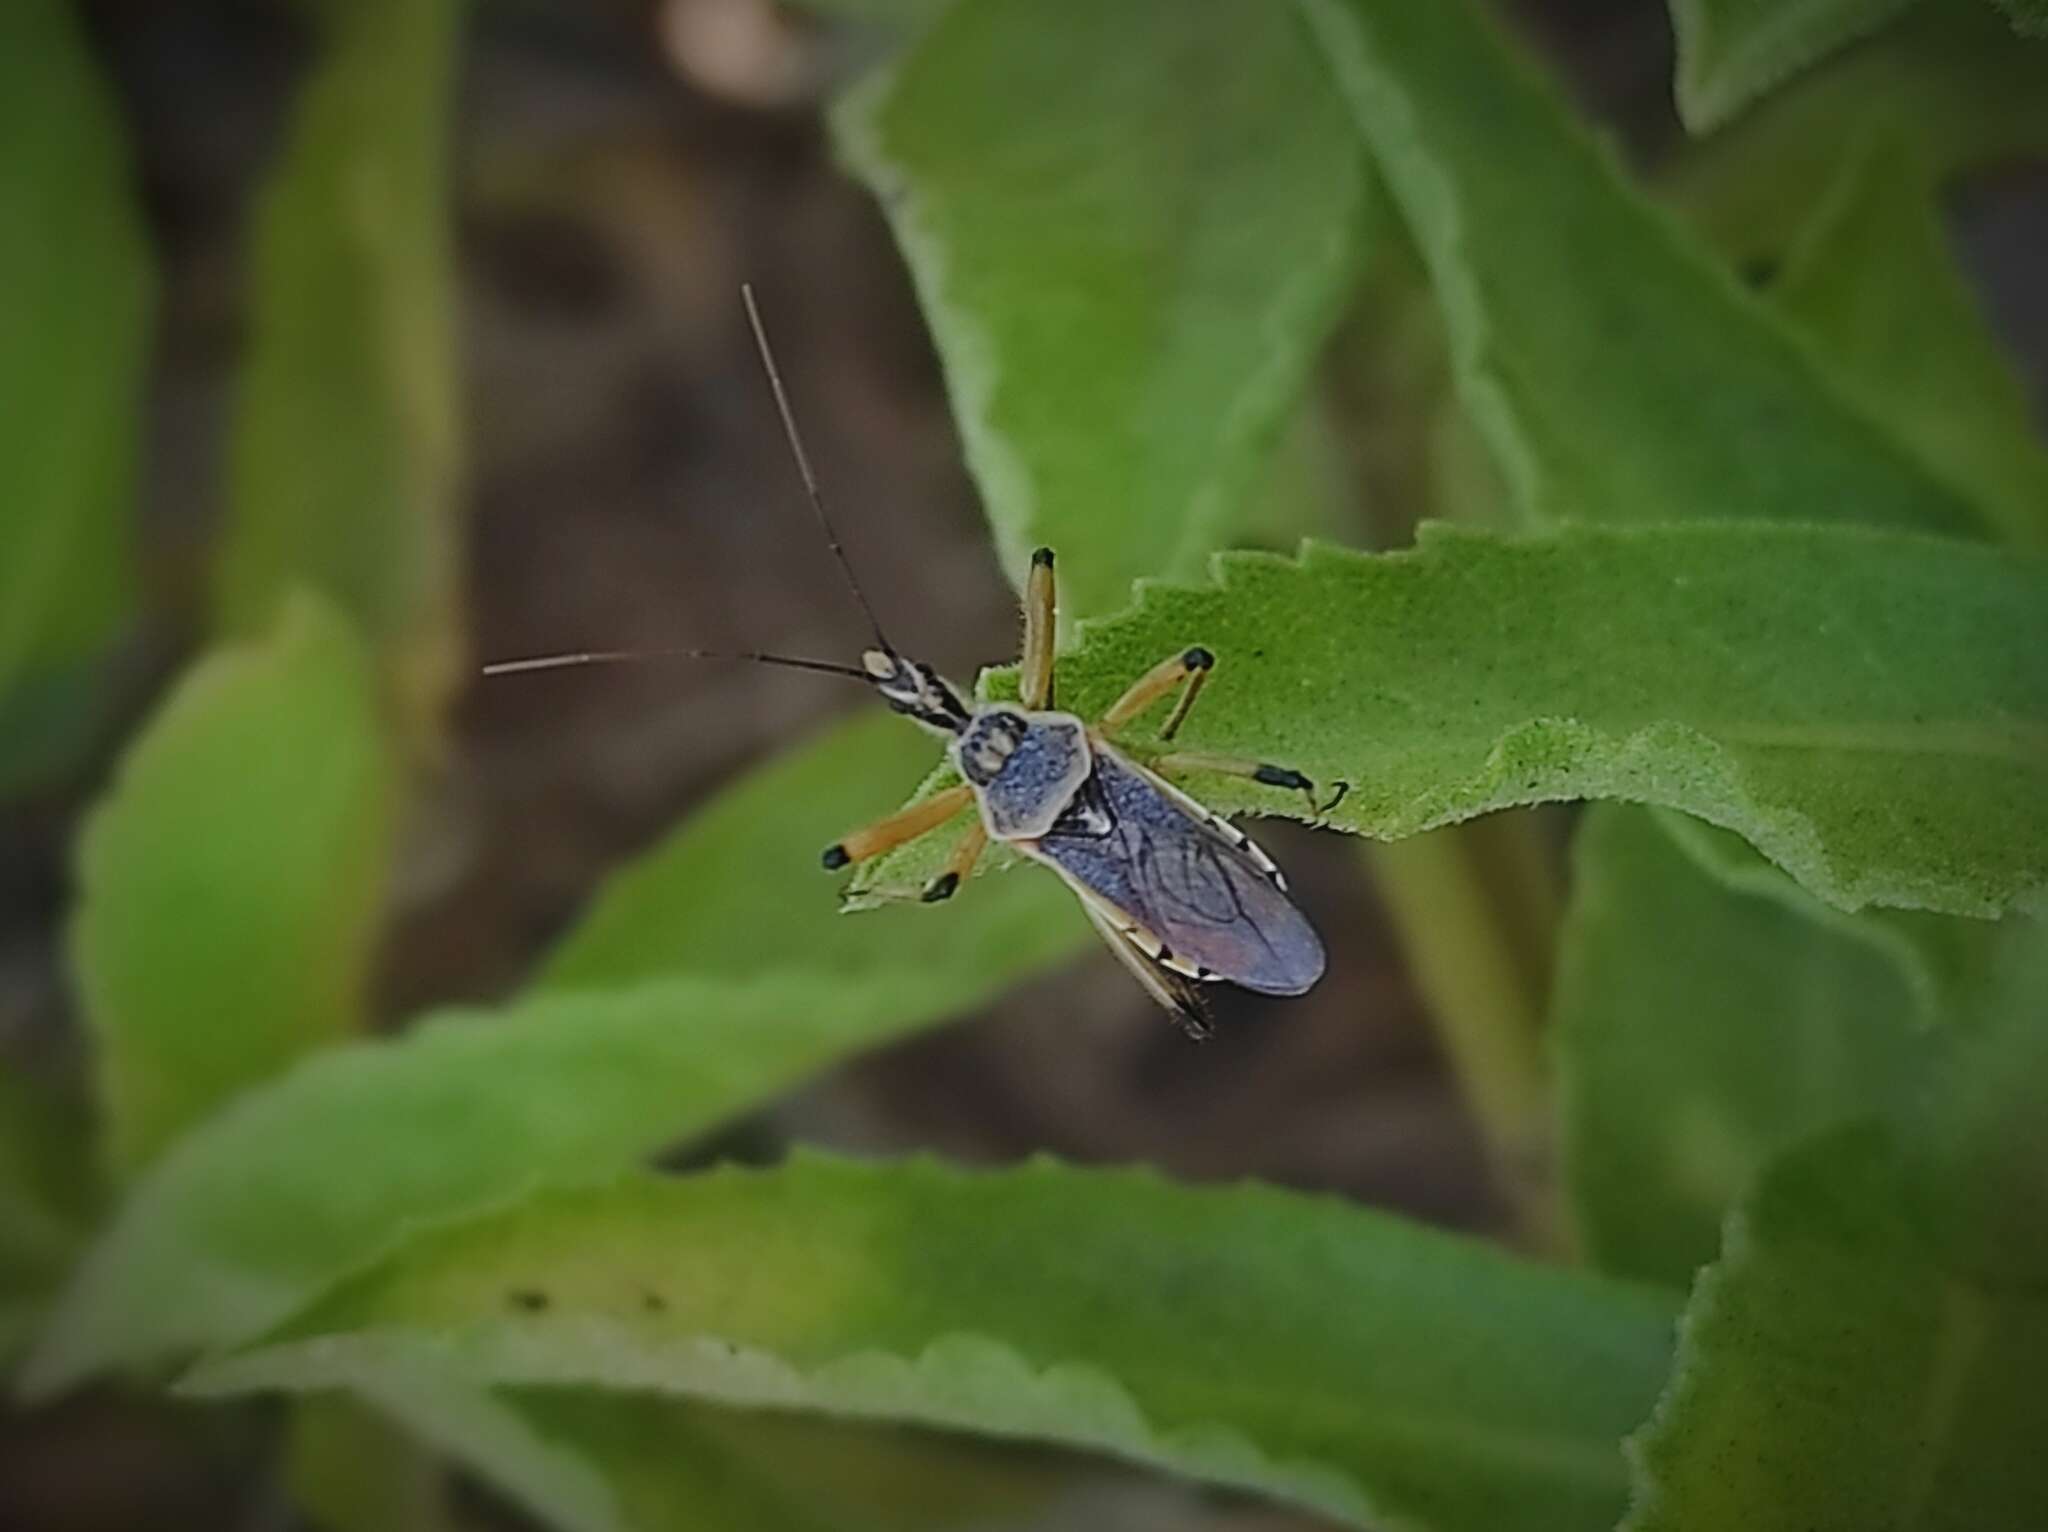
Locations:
column 1476, row 906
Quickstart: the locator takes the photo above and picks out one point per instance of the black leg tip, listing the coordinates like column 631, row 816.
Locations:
column 835, row 857
column 1042, row 558
column 1198, row 658
column 1281, row 776
column 941, row 887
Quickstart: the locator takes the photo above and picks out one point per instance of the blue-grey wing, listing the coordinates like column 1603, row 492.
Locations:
column 1175, row 876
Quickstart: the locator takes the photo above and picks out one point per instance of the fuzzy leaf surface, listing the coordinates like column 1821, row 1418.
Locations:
column 74, row 340
column 343, row 461
column 231, row 886
column 1615, row 370
column 1131, row 227
column 686, row 1001
column 1838, row 1372
column 1453, row 1387
column 1866, row 708
column 1732, row 51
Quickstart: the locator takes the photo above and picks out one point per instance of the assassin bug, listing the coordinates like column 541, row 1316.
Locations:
column 1180, row 895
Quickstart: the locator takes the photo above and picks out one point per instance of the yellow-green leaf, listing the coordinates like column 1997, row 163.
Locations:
column 232, row 884
column 1382, row 1372
column 703, row 985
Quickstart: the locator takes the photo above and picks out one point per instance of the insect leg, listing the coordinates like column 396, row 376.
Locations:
column 1257, row 771
column 972, row 843
column 905, row 824
column 1190, row 666
column 1035, row 687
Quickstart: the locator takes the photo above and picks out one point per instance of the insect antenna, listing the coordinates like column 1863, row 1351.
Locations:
column 628, row 656
column 817, row 499
column 803, row 463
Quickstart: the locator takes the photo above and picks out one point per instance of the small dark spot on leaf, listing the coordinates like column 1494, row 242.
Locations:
column 530, row 1299
column 653, row 1302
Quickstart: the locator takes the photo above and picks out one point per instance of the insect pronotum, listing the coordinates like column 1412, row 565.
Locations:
column 1181, row 896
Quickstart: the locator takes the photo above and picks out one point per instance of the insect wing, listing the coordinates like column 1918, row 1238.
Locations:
column 1176, row 875
column 1179, row 994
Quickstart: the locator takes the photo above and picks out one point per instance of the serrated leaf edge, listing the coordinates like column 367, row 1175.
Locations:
column 1720, row 792
column 962, row 1380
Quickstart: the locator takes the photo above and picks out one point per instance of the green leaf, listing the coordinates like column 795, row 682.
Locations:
column 1950, row 68
column 1131, row 227
column 677, row 1465
column 1616, row 372
column 736, row 892
column 1983, row 1122
column 231, row 886
column 701, row 987
column 587, row 1460
column 1884, row 744
column 1873, row 283
column 1938, row 958
column 344, row 457
column 79, row 293
column 1835, row 1372
column 1732, row 51
column 1699, row 1031
column 1447, row 1385
column 488, row 1433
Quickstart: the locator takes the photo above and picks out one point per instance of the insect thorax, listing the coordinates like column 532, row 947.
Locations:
column 1024, row 767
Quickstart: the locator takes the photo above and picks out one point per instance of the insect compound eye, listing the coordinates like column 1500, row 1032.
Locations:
column 992, row 741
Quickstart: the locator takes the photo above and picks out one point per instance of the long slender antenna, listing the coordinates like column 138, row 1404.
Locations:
column 624, row 656
column 803, row 462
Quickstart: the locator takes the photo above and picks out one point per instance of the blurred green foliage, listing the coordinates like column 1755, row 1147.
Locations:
column 232, row 885
column 1798, row 1081
column 74, row 340
column 344, row 474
